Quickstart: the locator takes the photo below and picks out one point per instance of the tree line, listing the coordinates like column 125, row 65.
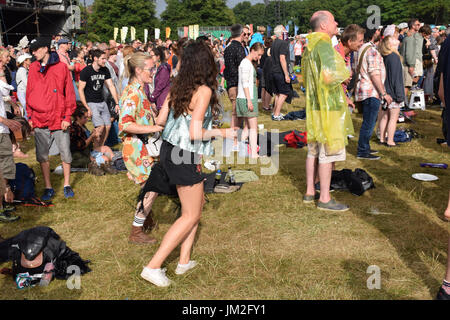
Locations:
column 104, row 15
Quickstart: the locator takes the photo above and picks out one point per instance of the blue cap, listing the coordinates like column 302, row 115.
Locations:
column 62, row 41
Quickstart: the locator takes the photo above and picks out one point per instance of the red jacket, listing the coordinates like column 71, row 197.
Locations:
column 50, row 94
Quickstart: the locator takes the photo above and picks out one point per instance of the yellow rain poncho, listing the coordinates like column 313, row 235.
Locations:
column 328, row 118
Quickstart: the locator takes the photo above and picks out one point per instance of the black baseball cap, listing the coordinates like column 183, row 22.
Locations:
column 40, row 43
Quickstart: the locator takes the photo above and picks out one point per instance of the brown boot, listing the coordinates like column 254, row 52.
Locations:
column 94, row 169
column 108, row 168
column 138, row 236
column 149, row 223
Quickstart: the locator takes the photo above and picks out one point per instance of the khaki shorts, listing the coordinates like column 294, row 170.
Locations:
column 7, row 166
column 319, row 150
column 407, row 79
column 418, row 68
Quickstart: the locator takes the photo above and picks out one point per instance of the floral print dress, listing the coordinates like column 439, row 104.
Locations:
column 135, row 108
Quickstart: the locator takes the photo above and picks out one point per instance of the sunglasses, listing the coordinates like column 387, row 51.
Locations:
column 246, row 34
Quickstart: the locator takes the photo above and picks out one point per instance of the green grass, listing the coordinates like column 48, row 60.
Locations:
column 263, row 242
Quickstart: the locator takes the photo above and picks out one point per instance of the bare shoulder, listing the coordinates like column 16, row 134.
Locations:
column 203, row 90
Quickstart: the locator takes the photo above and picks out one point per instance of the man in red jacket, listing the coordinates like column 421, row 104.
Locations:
column 50, row 104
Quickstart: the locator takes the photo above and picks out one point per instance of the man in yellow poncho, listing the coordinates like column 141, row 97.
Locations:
column 328, row 119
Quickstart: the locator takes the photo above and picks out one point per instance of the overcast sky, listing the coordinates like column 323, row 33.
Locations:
column 161, row 4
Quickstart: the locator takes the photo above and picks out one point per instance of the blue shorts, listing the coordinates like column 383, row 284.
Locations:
column 98, row 156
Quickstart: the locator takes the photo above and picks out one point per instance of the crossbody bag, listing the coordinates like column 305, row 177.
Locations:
column 358, row 104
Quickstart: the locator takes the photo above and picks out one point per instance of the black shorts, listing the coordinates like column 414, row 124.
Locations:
column 182, row 167
column 279, row 84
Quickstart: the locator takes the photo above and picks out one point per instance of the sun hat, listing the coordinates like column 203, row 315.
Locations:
column 403, row 25
column 389, row 31
column 23, row 57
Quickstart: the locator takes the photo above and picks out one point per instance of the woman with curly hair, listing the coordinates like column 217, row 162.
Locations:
column 189, row 110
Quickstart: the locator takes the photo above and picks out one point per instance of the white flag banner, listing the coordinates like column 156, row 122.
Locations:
column 133, row 33
column 157, row 33
column 196, row 31
column 145, row 35
column 191, row 32
column 116, row 32
column 123, row 34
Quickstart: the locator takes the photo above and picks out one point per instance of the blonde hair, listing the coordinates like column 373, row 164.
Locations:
column 127, row 51
column 386, row 49
column 3, row 51
column 133, row 61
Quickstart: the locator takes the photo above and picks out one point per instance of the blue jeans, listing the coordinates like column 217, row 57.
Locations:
column 370, row 107
column 113, row 137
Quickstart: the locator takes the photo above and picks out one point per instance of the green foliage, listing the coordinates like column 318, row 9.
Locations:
column 108, row 14
column 345, row 11
column 181, row 13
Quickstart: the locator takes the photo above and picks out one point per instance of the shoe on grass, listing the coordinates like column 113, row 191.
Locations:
column 183, row 268
column 310, row 199
column 442, row 295
column 332, row 205
column 49, row 193
column 6, row 216
column 156, row 276
column 369, row 157
column 68, row 192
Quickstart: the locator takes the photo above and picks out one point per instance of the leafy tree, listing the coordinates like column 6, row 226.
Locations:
column 107, row 14
column 180, row 13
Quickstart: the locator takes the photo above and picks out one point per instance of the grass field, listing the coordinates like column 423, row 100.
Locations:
column 263, row 242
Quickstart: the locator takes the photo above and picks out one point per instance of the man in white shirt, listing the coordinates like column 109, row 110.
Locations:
column 7, row 165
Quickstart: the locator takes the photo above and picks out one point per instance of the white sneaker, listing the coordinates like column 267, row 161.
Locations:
column 156, row 276
column 235, row 148
column 183, row 268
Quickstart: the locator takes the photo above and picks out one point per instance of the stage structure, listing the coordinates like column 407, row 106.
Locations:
column 33, row 18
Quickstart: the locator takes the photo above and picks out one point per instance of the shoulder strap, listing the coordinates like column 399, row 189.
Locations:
column 358, row 70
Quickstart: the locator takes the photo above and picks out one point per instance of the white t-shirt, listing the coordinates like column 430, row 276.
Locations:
column 298, row 49
column 22, row 79
column 4, row 91
column 246, row 78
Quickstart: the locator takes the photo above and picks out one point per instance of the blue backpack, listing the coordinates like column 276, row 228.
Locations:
column 402, row 136
column 23, row 185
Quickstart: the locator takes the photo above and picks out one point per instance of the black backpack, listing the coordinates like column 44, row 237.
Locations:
column 356, row 182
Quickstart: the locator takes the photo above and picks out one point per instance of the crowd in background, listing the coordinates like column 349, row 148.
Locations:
column 140, row 92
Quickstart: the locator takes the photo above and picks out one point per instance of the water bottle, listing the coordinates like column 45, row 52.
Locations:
column 218, row 176
column 434, row 165
column 231, row 176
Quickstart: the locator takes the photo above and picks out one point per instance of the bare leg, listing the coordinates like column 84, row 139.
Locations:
column 244, row 134
column 105, row 135
column 98, row 140
column 279, row 101
column 253, row 140
column 183, row 230
column 107, row 152
column 325, row 181
column 392, row 125
column 447, row 211
column 447, row 274
column 45, row 168
column 311, row 169
column 383, row 118
column 66, row 170
column 149, row 199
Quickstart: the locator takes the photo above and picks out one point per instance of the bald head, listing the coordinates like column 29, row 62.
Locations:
column 323, row 21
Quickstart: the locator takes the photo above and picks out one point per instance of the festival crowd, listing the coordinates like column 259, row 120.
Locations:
column 159, row 101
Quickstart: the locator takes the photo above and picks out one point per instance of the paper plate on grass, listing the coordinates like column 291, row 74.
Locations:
column 424, row 177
